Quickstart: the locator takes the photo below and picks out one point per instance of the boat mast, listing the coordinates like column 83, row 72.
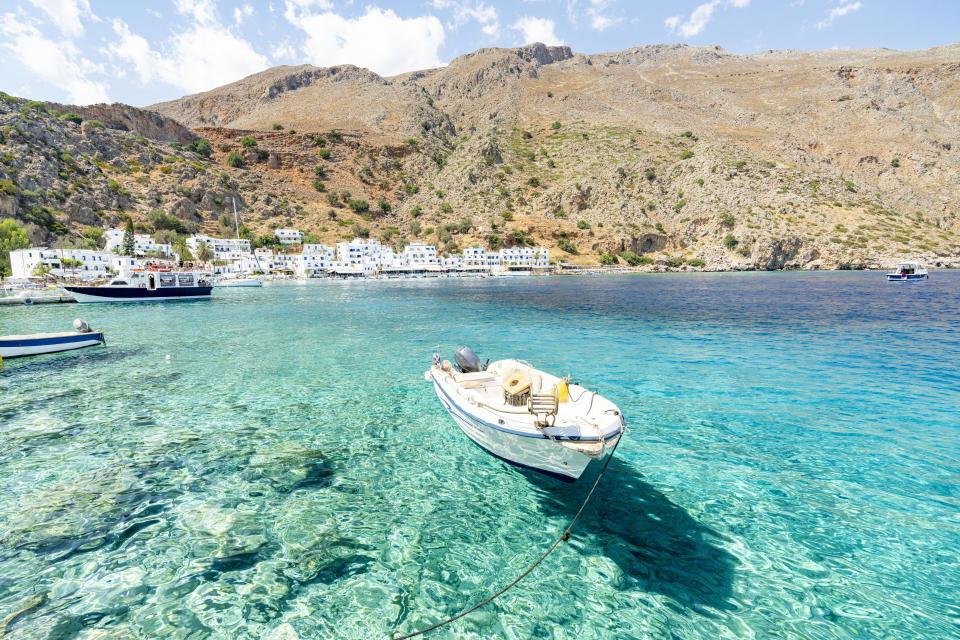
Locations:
column 236, row 221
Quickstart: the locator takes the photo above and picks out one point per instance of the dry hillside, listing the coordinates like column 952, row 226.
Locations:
column 680, row 154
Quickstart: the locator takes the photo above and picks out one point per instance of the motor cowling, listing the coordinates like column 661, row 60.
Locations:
column 467, row 360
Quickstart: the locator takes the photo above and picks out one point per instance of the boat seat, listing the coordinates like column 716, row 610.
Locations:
column 474, row 379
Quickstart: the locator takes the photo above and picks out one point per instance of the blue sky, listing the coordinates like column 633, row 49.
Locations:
column 85, row 51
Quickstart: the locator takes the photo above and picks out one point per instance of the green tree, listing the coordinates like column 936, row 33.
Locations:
column 12, row 237
column 204, row 253
column 129, row 242
column 234, row 159
column 359, row 206
column 182, row 250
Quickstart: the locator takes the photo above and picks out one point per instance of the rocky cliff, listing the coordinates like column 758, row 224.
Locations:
column 690, row 157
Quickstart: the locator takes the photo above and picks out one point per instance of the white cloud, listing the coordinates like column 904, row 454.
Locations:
column 466, row 10
column 379, row 39
column 203, row 11
column 838, row 12
column 598, row 20
column 204, row 56
column 66, row 14
column 239, row 13
column 536, row 30
column 698, row 20
column 58, row 63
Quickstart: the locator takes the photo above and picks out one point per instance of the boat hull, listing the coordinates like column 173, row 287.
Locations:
column 535, row 452
column 893, row 277
column 37, row 346
column 135, row 294
column 240, row 283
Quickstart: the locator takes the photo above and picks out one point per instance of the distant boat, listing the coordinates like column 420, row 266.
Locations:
column 525, row 416
column 238, row 282
column 38, row 343
column 147, row 285
column 907, row 271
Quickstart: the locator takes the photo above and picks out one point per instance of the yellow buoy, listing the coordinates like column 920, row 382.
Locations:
column 561, row 391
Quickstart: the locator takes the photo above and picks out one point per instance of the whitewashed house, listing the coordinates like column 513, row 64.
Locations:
column 289, row 236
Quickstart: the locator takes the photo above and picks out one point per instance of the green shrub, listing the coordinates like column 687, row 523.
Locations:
column 686, row 155
column 411, row 188
column 277, row 127
column 895, row 162
column 527, row 135
column 360, row 231
column 359, row 206
column 608, row 258
column 335, row 136
column 72, row 117
column 235, row 159
column 850, row 186
column 507, row 215
column 494, row 241
column 201, row 147
column 687, row 134
column 534, row 181
column 8, row 187
column 320, row 171
column 630, row 258
column 566, row 245
column 650, row 174
column 556, row 125
column 416, row 212
column 384, row 205
column 728, row 220
column 730, row 241
column 247, row 141
column 224, row 147
column 319, row 186
column 696, row 262
column 96, row 124
column 583, row 224
column 324, row 153
column 674, row 261
column 445, row 207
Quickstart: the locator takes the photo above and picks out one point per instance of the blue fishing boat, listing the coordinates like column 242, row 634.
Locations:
column 906, row 272
column 34, row 344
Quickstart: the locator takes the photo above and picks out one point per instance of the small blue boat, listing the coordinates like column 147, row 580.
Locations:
column 34, row 344
column 906, row 272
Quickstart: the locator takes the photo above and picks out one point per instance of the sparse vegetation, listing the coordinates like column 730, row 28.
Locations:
column 247, row 141
column 730, row 241
column 565, row 245
column 235, row 159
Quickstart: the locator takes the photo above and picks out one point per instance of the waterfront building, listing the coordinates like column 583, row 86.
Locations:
column 81, row 264
column 142, row 244
column 226, row 249
column 524, row 258
column 421, row 257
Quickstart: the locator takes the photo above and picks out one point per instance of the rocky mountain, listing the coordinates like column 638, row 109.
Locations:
column 690, row 157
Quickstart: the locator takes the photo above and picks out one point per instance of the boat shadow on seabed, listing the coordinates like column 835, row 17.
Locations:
column 656, row 544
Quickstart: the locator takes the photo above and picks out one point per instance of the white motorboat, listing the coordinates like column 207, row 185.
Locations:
column 35, row 344
column 907, row 272
column 238, row 282
column 525, row 416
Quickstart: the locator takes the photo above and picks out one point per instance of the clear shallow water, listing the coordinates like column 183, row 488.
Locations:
column 791, row 469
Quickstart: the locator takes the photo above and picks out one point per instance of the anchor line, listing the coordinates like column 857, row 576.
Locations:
column 563, row 538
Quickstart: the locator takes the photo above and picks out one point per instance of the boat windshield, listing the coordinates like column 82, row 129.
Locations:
column 118, row 283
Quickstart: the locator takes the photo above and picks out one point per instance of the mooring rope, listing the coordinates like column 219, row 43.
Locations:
column 564, row 537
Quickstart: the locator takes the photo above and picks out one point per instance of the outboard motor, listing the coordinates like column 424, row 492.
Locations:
column 81, row 326
column 467, row 360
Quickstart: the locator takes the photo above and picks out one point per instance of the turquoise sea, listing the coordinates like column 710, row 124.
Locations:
column 791, row 467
